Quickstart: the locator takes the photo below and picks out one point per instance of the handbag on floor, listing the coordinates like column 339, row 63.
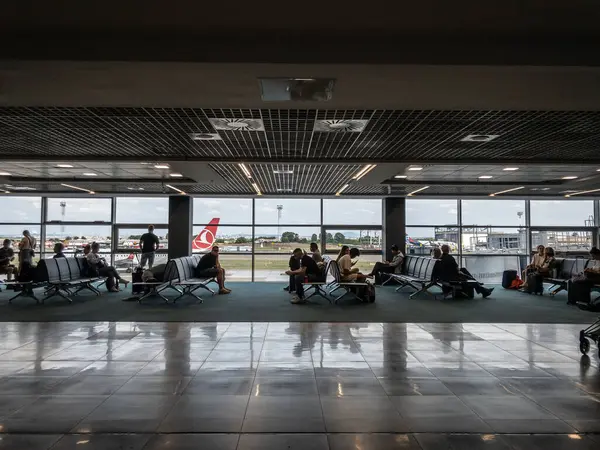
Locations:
column 534, row 284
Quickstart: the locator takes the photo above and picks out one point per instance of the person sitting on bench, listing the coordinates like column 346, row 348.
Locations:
column 343, row 251
column 447, row 270
column 59, row 247
column 580, row 287
column 347, row 270
column 104, row 270
column 309, row 269
column 393, row 266
column 315, row 253
column 294, row 264
column 209, row 267
column 537, row 261
column 7, row 255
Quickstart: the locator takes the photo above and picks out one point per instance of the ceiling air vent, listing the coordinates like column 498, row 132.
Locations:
column 238, row 124
column 205, row 136
column 341, row 126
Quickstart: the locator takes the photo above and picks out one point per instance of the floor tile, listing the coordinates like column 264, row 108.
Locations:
column 516, row 408
column 283, row 441
column 154, row 369
column 154, row 385
column 52, row 414
column 510, row 370
column 292, row 414
column 284, row 386
column 479, row 386
column 344, row 369
column 89, row 385
column 362, row 415
column 114, row 368
column 544, row 387
column 206, row 414
column 220, row 386
column 434, row 406
column 25, row 385
column 572, row 408
column 27, row 441
column 551, row 442
column 530, row 426
column 53, row 368
column 400, row 370
column 127, row 413
column 373, row 442
column 102, row 442
column 349, row 386
column 457, row 369
column 12, row 403
column 305, row 369
column 193, row 442
column 462, row 442
column 414, row 386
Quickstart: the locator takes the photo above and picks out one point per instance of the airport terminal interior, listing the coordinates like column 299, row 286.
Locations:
column 261, row 130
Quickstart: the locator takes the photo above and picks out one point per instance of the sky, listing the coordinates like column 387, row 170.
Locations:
column 299, row 215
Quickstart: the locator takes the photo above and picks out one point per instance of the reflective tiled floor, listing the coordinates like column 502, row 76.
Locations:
column 296, row 385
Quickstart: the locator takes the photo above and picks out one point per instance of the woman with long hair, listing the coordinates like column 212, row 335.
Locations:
column 344, row 250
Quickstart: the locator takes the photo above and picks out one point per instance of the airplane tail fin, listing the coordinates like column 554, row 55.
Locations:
column 207, row 236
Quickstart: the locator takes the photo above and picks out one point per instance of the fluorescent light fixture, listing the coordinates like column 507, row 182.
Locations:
column 401, row 176
column 90, row 174
column 597, row 170
column 175, row 175
column 4, row 174
column 480, row 137
column 582, row 192
column 485, row 177
column 284, row 189
column 303, row 79
column 283, row 172
column 256, row 188
column 245, row 170
column 77, row 188
column 175, row 189
column 342, row 189
column 161, row 166
column 365, row 170
column 570, row 177
column 507, row 190
column 64, row 166
column 410, row 194
column 510, row 169
column 415, row 168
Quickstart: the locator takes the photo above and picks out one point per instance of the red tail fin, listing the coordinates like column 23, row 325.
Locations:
column 207, row 237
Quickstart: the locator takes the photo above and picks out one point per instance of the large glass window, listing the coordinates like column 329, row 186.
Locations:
column 15, row 233
column 142, row 210
column 129, row 238
column 367, row 239
column 431, row 212
column 574, row 213
column 493, row 240
column 421, row 240
column 563, row 241
column 75, row 237
column 493, row 212
column 284, row 239
column 79, row 209
column 352, row 211
column 300, row 211
column 21, row 209
column 227, row 210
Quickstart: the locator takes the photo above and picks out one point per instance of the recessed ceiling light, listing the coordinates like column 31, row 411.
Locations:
column 161, row 166
column 284, row 189
column 256, row 188
column 283, row 172
column 401, row 176
column 510, row 169
column 205, row 136
column 90, row 174
column 237, row 124
column 479, row 137
column 64, row 166
column 340, row 125
column 245, row 170
column 582, row 192
column 415, row 168
column 485, row 177
column 175, row 175
column 597, row 170
column 135, row 189
column 4, row 174
column 571, row 177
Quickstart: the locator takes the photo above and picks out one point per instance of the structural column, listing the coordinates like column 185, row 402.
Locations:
column 394, row 224
column 180, row 226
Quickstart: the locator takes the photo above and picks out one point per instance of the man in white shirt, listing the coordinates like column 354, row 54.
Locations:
column 347, row 271
column 393, row 266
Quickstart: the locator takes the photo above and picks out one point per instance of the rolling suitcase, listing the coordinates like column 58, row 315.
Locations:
column 535, row 283
column 508, row 276
column 136, row 277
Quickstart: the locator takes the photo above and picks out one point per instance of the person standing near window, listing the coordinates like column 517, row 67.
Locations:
column 149, row 243
column 26, row 250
